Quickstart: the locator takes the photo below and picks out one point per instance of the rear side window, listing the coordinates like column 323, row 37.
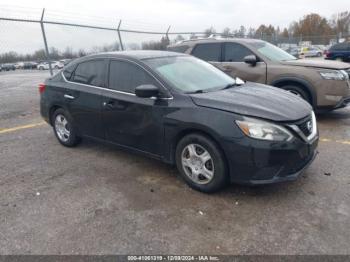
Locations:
column 90, row 73
column 126, row 76
column 68, row 72
column 178, row 49
column 236, row 52
column 208, row 52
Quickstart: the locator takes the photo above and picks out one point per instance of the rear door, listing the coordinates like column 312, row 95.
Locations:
column 234, row 65
column 129, row 120
column 210, row 52
column 82, row 95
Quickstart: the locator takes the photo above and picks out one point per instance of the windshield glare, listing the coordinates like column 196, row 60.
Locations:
column 189, row 74
column 272, row 52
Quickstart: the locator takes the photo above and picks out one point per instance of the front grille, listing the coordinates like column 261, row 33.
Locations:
column 306, row 126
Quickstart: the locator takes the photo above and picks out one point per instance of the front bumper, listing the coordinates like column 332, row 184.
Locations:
column 343, row 103
column 257, row 162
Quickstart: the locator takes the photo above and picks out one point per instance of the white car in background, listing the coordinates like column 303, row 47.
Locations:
column 54, row 65
column 310, row 52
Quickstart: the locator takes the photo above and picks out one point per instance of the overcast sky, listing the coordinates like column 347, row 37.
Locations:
column 182, row 15
column 196, row 14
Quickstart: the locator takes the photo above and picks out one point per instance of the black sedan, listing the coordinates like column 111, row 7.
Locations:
column 183, row 111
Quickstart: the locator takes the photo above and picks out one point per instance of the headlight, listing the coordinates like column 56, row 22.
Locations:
column 264, row 130
column 333, row 75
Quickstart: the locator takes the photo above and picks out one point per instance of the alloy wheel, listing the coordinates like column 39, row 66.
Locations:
column 62, row 128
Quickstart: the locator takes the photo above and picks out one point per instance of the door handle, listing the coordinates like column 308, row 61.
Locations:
column 69, row 96
column 109, row 104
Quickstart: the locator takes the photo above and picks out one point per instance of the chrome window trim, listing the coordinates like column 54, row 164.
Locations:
column 121, row 92
column 314, row 129
column 97, row 87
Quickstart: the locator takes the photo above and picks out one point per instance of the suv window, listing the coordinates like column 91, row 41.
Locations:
column 90, row 73
column 178, row 49
column 236, row 52
column 208, row 52
column 340, row 47
column 125, row 76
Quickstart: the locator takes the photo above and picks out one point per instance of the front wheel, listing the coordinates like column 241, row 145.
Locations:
column 64, row 128
column 201, row 163
column 298, row 91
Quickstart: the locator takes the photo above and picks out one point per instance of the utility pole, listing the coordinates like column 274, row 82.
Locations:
column 120, row 38
column 45, row 41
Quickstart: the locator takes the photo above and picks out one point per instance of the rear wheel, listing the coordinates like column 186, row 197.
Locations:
column 64, row 128
column 201, row 163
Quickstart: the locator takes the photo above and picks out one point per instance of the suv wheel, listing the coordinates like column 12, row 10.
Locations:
column 64, row 128
column 201, row 163
column 339, row 59
column 296, row 90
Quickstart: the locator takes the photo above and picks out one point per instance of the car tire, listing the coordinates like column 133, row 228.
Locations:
column 319, row 54
column 201, row 163
column 339, row 59
column 64, row 128
column 298, row 91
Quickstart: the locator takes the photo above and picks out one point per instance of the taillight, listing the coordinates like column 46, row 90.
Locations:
column 42, row 88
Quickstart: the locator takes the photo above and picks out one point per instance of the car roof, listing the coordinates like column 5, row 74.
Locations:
column 217, row 40
column 135, row 55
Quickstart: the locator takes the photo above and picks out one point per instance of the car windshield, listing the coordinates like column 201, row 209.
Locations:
column 272, row 52
column 189, row 74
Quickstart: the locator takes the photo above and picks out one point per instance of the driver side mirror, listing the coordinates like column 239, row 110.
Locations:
column 251, row 60
column 147, row 91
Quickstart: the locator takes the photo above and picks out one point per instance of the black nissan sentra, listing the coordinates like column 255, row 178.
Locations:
column 184, row 111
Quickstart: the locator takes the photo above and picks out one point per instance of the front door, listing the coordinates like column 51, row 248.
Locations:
column 129, row 120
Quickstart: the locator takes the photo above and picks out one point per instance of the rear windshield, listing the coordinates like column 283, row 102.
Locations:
column 340, row 47
column 178, row 49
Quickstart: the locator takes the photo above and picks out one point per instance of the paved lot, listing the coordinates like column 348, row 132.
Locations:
column 95, row 199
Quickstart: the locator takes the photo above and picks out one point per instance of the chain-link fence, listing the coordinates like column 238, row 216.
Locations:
column 43, row 38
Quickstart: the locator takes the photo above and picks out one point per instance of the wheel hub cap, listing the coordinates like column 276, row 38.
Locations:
column 197, row 164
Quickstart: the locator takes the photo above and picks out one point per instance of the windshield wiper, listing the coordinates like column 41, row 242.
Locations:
column 199, row 91
column 229, row 85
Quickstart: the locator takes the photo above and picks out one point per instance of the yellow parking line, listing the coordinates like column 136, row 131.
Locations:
column 9, row 130
column 12, row 129
column 344, row 142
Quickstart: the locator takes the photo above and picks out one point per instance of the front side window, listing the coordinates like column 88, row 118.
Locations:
column 208, row 52
column 126, row 76
column 189, row 74
column 236, row 52
column 90, row 73
column 270, row 51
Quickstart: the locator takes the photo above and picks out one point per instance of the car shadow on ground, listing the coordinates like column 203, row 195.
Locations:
column 334, row 116
column 165, row 175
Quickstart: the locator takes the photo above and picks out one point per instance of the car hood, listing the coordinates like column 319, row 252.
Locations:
column 256, row 100
column 317, row 63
